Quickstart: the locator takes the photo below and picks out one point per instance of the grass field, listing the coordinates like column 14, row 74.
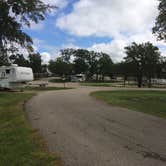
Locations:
column 44, row 88
column 150, row 102
column 96, row 84
column 20, row 145
column 57, row 81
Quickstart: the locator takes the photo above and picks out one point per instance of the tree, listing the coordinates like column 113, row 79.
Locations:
column 66, row 54
column 19, row 60
column 152, row 59
column 14, row 14
column 3, row 60
column 52, row 66
column 134, row 56
column 144, row 59
column 80, row 61
column 123, row 69
column 160, row 26
column 92, row 61
column 60, row 67
column 104, row 65
column 161, row 68
column 86, row 62
column 80, row 66
column 35, row 62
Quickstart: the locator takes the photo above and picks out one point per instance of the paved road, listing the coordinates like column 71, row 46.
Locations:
column 87, row 132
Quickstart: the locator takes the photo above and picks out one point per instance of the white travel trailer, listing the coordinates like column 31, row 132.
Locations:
column 77, row 78
column 14, row 76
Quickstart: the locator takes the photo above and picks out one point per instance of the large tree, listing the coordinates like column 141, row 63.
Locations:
column 87, row 62
column 35, row 62
column 79, row 57
column 123, row 69
column 66, row 54
column 60, row 67
column 161, row 68
column 160, row 25
column 104, row 65
column 19, row 60
column 144, row 59
column 80, row 66
column 92, row 61
column 14, row 14
column 152, row 59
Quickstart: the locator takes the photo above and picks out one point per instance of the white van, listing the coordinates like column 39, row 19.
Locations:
column 14, row 76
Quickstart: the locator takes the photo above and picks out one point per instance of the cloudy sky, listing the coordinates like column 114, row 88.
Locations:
column 100, row 25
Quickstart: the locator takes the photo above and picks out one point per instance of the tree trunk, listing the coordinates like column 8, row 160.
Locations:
column 124, row 83
column 149, row 83
column 97, row 77
column 139, row 80
column 1, row 46
column 103, row 77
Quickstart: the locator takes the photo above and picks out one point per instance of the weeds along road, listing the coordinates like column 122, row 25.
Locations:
column 87, row 132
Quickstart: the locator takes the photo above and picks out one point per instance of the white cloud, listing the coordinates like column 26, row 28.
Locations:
column 43, row 47
column 115, row 48
column 46, row 57
column 122, row 21
column 58, row 3
column 41, row 25
column 70, row 45
column 35, row 27
column 109, row 18
column 38, row 44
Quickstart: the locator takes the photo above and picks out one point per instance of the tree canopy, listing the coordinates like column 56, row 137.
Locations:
column 144, row 58
column 35, row 62
column 14, row 15
column 19, row 60
column 82, row 61
column 160, row 26
column 60, row 67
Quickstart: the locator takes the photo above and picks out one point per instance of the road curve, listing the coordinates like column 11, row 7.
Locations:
column 87, row 132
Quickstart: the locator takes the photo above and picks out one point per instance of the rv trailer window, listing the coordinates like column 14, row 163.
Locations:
column 3, row 74
column 7, row 71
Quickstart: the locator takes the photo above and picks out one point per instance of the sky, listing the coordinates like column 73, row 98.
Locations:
column 99, row 25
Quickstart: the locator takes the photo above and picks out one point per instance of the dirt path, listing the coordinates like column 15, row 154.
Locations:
column 87, row 132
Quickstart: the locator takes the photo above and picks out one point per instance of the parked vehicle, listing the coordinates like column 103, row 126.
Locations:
column 77, row 78
column 14, row 76
column 159, row 81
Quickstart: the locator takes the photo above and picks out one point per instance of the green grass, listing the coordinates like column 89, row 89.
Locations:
column 96, row 84
column 20, row 145
column 150, row 102
column 57, row 81
column 44, row 88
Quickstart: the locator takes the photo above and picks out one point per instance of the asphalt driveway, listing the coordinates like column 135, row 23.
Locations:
column 87, row 132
